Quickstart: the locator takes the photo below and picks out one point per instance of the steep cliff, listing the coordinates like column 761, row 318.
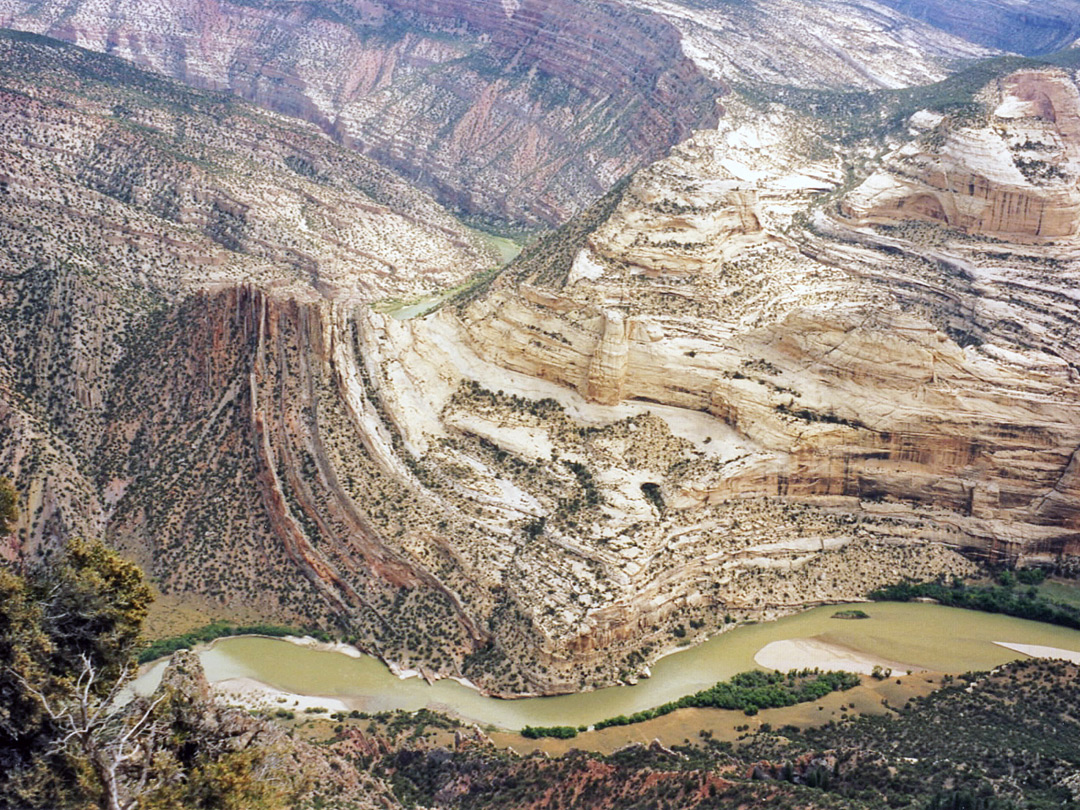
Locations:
column 521, row 111
column 750, row 379
column 1009, row 175
column 135, row 218
column 910, row 363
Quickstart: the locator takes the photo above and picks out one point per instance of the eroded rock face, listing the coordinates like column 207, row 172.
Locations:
column 863, row 399
column 1011, row 177
column 840, row 44
column 520, row 112
column 713, row 394
column 143, row 225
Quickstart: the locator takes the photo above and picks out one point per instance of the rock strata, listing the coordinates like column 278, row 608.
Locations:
column 519, row 112
column 862, row 396
column 746, row 381
column 1012, row 178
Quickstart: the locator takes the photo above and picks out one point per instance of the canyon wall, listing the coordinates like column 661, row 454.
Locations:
column 518, row 112
column 718, row 353
column 750, row 379
column 1014, row 178
column 143, row 226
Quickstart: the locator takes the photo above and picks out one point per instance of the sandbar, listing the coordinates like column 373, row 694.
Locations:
column 810, row 653
column 1040, row 651
column 255, row 694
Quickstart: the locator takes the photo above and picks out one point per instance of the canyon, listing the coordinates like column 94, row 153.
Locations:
column 480, row 104
column 780, row 351
column 516, row 112
column 1027, row 29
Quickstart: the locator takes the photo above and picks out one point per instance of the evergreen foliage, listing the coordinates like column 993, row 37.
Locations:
column 215, row 630
column 750, row 692
column 9, row 506
column 69, row 738
column 1026, row 604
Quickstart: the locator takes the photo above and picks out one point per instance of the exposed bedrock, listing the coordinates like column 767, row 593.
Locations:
column 267, row 390
column 1013, row 178
column 841, row 44
column 520, row 111
column 889, row 410
column 729, row 388
column 697, row 404
column 932, row 378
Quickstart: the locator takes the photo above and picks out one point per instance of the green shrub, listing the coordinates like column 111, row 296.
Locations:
column 987, row 598
column 749, row 692
column 215, row 630
column 558, row 732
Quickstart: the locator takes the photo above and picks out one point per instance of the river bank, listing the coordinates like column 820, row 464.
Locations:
column 907, row 635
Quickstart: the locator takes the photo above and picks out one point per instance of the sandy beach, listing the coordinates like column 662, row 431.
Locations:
column 254, row 694
column 1040, row 651
column 808, row 653
column 325, row 646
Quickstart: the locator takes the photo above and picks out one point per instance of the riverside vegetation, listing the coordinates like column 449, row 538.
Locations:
column 748, row 692
column 1018, row 724
column 159, row 648
column 69, row 634
column 1024, row 603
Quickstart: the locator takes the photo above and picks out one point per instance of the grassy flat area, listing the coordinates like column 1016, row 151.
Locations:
column 507, row 249
column 1066, row 591
column 171, row 615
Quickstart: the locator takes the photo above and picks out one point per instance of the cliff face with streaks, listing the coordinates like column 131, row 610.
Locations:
column 925, row 371
column 512, row 110
column 754, row 399
column 164, row 253
column 1014, row 178
column 518, row 111
column 1028, row 28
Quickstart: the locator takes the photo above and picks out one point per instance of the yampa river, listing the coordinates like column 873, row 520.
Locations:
column 918, row 636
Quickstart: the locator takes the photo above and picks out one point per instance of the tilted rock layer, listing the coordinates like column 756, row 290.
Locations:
column 164, row 253
column 523, row 111
column 1029, row 28
column 863, row 397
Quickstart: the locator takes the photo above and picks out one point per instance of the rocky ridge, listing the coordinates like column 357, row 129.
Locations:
column 729, row 347
column 130, row 206
column 1028, row 28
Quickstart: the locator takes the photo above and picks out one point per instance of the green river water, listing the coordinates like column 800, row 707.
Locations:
column 923, row 636
column 507, row 250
